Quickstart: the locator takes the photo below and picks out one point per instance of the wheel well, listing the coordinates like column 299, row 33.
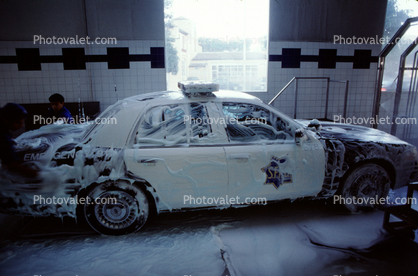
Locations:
column 390, row 169
column 381, row 162
column 143, row 186
column 152, row 205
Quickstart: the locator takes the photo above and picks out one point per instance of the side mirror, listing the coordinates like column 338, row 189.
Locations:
column 299, row 134
column 315, row 125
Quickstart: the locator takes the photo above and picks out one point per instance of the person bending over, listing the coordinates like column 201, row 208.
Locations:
column 12, row 118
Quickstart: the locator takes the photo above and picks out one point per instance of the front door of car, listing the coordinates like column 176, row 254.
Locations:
column 177, row 151
column 264, row 160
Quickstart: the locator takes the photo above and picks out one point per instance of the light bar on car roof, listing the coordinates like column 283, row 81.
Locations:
column 198, row 88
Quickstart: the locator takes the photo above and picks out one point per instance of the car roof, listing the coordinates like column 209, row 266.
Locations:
column 173, row 97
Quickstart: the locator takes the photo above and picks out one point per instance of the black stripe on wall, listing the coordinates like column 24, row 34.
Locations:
column 327, row 58
column 29, row 59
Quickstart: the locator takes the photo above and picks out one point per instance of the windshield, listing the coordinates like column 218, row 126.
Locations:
column 291, row 121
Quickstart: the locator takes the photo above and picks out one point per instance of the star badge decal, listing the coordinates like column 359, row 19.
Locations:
column 273, row 175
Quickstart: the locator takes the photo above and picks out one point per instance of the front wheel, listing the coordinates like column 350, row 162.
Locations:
column 116, row 208
column 364, row 187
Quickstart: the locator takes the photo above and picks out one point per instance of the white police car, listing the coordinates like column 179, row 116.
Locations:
column 200, row 147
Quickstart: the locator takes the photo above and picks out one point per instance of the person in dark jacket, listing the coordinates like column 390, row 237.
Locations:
column 12, row 118
column 58, row 111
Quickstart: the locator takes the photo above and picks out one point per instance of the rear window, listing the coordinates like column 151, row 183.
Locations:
column 162, row 125
column 107, row 115
column 174, row 124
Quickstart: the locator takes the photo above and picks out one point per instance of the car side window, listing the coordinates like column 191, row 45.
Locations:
column 162, row 125
column 199, row 123
column 174, row 124
column 249, row 122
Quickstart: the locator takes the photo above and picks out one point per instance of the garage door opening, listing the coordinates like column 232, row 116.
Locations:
column 223, row 41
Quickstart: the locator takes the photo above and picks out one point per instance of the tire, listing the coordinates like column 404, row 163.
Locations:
column 116, row 208
column 363, row 186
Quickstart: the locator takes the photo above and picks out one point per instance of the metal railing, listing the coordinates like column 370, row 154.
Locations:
column 382, row 57
column 296, row 80
column 412, row 95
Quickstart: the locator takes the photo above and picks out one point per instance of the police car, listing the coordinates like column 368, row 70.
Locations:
column 203, row 148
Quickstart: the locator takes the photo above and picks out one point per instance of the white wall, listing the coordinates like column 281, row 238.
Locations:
column 309, row 27
column 137, row 25
column 312, row 93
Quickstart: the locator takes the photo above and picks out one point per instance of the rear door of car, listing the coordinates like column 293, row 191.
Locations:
column 178, row 152
column 264, row 160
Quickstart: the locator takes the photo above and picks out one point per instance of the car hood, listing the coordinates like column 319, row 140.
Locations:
column 349, row 132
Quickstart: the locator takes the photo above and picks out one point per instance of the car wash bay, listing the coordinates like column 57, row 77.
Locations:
column 286, row 238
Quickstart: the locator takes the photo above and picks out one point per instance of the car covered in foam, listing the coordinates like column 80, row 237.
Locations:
column 198, row 148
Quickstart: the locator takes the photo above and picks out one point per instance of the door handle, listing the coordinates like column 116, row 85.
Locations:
column 240, row 157
column 147, row 161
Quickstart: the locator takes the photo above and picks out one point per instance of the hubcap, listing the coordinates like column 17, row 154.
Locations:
column 119, row 209
column 366, row 186
column 116, row 212
column 369, row 186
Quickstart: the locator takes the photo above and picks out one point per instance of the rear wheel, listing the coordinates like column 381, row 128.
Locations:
column 116, row 208
column 364, row 187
